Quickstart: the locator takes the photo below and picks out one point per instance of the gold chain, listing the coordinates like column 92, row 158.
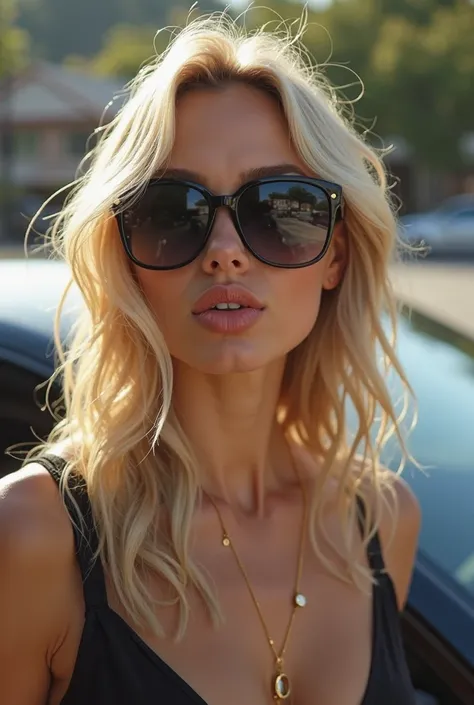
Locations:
column 281, row 686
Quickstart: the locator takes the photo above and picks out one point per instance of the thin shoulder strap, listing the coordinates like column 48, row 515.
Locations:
column 85, row 533
column 374, row 549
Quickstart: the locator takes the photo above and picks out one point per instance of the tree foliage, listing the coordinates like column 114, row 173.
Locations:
column 415, row 57
column 60, row 28
column 14, row 42
column 126, row 48
column 423, row 79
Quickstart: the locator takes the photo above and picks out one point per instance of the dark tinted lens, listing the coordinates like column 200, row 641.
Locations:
column 285, row 222
column 167, row 226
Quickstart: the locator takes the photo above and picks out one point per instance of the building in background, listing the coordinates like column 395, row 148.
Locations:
column 50, row 113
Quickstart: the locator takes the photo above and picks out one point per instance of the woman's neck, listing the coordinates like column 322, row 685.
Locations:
column 230, row 421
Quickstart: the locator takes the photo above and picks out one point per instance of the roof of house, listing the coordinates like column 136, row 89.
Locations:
column 48, row 92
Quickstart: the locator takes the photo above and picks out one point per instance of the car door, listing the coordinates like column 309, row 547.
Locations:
column 459, row 230
column 438, row 630
column 439, row 620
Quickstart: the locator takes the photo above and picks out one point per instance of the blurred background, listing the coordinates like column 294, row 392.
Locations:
column 61, row 62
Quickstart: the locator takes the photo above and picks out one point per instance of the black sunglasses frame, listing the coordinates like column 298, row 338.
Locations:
column 333, row 193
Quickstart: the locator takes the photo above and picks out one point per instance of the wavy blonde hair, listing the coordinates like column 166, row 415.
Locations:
column 117, row 373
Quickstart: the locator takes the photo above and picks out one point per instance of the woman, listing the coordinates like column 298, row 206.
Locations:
column 231, row 242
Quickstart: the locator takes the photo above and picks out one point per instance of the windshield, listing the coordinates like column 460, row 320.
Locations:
column 440, row 366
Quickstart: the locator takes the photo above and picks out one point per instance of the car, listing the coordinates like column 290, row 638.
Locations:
column 438, row 623
column 448, row 229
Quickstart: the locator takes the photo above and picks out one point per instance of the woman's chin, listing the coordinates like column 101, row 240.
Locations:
column 228, row 358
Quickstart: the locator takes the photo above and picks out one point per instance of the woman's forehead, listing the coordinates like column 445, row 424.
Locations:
column 237, row 130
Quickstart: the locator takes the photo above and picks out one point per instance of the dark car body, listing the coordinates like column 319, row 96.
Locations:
column 439, row 620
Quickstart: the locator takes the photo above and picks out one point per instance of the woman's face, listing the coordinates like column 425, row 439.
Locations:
column 222, row 136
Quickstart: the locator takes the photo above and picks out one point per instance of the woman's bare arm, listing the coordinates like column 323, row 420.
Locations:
column 37, row 573
column 400, row 548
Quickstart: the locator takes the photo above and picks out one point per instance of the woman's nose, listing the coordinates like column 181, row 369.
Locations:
column 225, row 249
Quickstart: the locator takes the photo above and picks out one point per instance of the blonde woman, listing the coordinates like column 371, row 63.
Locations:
column 218, row 536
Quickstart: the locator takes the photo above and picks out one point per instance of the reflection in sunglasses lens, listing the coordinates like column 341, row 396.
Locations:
column 168, row 225
column 285, row 222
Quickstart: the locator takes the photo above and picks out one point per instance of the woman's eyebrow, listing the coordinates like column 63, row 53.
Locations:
column 252, row 174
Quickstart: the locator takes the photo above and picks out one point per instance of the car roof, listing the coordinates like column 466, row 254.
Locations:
column 29, row 293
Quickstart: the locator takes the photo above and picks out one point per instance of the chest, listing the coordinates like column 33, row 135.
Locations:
column 328, row 653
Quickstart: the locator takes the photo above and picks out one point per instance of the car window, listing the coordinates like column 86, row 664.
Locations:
column 440, row 366
column 464, row 215
column 452, row 205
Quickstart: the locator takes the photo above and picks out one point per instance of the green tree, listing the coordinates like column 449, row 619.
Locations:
column 422, row 82
column 301, row 194
column 125, row 49
column 14, row 42
column 415, row 62
column 13, row 56
column 64, row 27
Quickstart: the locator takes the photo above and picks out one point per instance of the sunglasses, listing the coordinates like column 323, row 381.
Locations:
column 283, row 221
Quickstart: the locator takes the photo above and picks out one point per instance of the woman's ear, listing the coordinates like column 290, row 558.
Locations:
column 336, row 259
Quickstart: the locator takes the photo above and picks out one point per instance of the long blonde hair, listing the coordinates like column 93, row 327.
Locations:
column 128, row 446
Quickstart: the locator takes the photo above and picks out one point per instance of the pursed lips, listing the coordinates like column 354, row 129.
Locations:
column 227, row 298
column 228, row 310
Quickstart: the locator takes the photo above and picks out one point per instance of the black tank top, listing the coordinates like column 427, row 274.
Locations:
column 114, row 666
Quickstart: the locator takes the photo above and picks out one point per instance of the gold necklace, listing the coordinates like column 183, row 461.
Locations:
column 281, row 685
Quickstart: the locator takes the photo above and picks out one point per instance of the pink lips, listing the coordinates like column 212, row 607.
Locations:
column 228, row 320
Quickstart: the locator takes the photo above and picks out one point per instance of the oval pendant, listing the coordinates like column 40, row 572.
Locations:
column 281, row 687
column 300, row 600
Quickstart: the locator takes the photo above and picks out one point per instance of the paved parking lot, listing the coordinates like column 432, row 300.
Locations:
column 442, row 290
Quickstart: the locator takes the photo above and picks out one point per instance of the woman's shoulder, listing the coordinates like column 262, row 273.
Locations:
column 36, row 536
column 399, row 507
column 39, row 581
column 398, row 525
column 382, row 488
column 34, row 525
column 390, row 507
